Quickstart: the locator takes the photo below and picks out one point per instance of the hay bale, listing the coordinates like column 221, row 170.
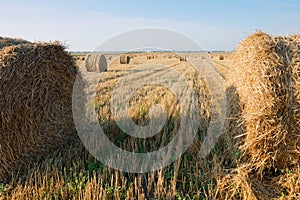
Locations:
column 181, row 58
column 265, row 75
column 36, row 83
column 150, row 57
column 221, row 57
column 124, row 59
column 4, row 42
column 95, row 62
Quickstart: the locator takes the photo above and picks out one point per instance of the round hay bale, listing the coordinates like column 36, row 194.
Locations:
column 96, row 63
column 36, row 83
column 124, row 59
column 4, row 42
column 221, row 57
column 265, row 74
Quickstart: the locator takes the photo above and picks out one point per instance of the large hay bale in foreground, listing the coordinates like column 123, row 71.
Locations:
column 96, row 62
column 265, row 74
column 36, row 83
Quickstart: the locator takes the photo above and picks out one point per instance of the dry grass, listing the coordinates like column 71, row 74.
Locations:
column 74, row 174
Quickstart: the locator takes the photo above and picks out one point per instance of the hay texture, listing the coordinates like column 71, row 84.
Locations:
column 4, row 42
column 36, row 82
column 95, row 63
column 265, row 75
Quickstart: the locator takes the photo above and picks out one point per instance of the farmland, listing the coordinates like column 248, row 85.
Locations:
column 255, row 151
column 74, row 173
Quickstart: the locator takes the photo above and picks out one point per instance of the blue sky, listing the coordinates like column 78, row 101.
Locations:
column 84, row 25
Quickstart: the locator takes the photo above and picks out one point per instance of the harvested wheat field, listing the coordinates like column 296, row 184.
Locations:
column 255, row 157
column 73, row 173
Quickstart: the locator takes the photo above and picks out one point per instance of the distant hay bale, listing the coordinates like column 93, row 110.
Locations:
column 221, row 57
column 124, row 59
column 150, row 57
column 210, row 55
column 181, row 58
column 95, row 62
column 36, row 83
